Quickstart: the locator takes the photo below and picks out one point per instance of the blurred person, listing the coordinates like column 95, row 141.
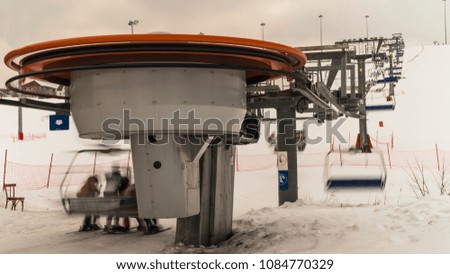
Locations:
column 112, row 190
column 147, row 226
column 89, row 189
column 122, row 189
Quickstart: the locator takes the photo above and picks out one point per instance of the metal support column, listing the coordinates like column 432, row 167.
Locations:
column 20, row 118
column 286, row 142
column 343, row 76
column 214, row 223
column 352, row 81
column 20, row 126
column 391, row 74
column 362, row 111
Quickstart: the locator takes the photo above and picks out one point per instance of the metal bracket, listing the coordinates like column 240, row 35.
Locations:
column 202, row 149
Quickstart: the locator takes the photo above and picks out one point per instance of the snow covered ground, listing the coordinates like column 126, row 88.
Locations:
column 393, row 221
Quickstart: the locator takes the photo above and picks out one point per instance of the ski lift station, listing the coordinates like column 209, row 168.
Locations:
column 185, row 102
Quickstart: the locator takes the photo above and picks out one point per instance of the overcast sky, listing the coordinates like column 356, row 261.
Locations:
column 290, row 22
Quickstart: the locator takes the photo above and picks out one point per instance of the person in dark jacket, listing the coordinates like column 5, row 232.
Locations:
column 112, row 190
column 122, row 189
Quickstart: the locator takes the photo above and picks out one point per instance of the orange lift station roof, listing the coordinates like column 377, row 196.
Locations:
column 52, row 61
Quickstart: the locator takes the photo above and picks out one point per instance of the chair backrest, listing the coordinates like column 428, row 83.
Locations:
column 10, row 190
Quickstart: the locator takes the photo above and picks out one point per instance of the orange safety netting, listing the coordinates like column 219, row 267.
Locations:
column 42, row 176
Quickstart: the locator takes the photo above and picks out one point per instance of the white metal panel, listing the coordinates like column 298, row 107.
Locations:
column 173, row 189
column 154, row 95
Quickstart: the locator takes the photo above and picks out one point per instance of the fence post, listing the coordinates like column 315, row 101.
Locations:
column 4, row 169
column 437, row 158
column 392, row 140
column 340, row 154
column 50, row 171
column 389, row 156
column 95, row 163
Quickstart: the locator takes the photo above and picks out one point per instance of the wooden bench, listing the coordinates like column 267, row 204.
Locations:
column 10, row 190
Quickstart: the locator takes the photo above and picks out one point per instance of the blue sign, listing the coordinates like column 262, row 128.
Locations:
column 59, row 122
column 283, row 180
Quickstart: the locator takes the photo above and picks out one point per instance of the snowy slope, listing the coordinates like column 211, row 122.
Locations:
column 393, row 221
column 422, row 115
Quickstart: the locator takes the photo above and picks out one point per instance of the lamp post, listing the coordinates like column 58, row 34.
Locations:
column 367, row 34
column 262, row 29
column 131, row 23
column 445, row 20
column 320, row 21
column 367, row 26
column 321, row 44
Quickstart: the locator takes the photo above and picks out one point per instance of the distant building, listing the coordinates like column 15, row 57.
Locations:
column 38, row 89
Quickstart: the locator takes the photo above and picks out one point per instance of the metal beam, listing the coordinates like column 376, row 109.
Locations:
column 275, row 119
column 325, row 68
column 289, row 100
column 343, row 75
column 267, row 101
column 286, row 141
column 263, row 88
column 352, row 81
column 368, row 56
column 380, row 43
column 28, row 103
column 324, row 55
column 333, row 73
column 362, row 111
column 325, row 92
column 323, row 47
column 313, row 98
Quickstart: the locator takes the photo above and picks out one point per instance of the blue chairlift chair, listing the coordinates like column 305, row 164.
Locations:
column 358, row 176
